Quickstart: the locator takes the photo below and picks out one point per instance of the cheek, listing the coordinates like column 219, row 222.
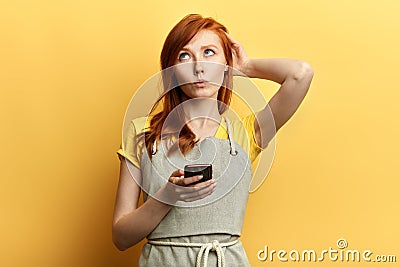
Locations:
column 215, row 73
column 184, row 73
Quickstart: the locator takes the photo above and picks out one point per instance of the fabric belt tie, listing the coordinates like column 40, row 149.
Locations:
column 205, row 248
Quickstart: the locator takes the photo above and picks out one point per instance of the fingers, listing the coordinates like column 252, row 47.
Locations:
column 231, row 38
column 197, row 192
column 176, row 177
column 186, row 191
column 182, row 181
column 240, row 59
column 178, row 173
column 235, row 45
column 189, row 180
column 195, row 187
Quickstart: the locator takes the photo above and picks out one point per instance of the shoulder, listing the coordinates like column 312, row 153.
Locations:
column 243, row 132
column 133, row 146
column 138, row 125
column 244, row 123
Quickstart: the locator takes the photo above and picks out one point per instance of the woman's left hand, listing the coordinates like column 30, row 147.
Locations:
column 240, row 59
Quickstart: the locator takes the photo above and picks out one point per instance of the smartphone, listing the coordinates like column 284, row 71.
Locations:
column 198, row 169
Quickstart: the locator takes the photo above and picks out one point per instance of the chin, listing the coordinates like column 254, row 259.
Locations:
column 202, row 95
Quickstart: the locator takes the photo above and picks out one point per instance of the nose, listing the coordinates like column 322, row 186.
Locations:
column 198, row 68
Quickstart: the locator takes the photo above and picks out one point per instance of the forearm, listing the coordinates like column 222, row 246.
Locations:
column 275, row 69
column 135, row 226
column 295, row 78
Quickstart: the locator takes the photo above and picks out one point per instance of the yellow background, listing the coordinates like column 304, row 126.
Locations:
column 69, row 69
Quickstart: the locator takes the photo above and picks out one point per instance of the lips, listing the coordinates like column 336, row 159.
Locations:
column 200, row 83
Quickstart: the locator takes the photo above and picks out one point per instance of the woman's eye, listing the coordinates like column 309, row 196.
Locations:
column 209, row 52
column 183, row 56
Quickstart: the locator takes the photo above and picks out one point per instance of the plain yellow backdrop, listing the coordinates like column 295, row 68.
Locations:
column 69, row 69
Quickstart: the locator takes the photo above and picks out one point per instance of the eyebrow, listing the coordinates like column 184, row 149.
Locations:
column 202, row 47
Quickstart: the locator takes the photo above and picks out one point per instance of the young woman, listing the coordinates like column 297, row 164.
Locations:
column 188, row 223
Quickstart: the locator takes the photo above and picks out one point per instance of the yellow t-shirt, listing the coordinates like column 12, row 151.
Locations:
column 242, row 130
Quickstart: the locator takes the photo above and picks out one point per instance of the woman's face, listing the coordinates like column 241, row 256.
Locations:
column 200, row 65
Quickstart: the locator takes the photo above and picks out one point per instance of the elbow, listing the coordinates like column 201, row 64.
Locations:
column 119, row 246
column 303, row 72
column 118, row 242
column 118, row 239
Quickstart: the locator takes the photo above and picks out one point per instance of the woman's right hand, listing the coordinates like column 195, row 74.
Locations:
column 179, row 188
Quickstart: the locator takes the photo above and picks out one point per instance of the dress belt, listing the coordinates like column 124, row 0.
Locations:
column 204, row 249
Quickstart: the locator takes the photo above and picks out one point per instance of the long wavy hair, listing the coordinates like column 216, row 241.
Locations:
column 177, row 38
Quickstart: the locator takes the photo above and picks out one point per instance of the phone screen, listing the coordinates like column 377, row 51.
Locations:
column 198, row 169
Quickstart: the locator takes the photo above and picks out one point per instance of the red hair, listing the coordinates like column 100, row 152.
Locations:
column 177, row 38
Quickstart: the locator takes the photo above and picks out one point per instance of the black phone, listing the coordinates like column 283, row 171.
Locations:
column 198, row 169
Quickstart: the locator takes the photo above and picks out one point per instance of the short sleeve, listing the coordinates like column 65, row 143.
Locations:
column 254, row 148
column 130, row 148
column 244, row 134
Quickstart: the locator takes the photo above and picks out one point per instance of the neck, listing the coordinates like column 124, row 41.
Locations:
column 201, row 113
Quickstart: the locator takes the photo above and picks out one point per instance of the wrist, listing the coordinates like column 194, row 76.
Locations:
column 248, row 68
column 165, row 197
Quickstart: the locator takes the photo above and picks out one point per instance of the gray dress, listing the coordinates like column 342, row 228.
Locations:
column 218, row 216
